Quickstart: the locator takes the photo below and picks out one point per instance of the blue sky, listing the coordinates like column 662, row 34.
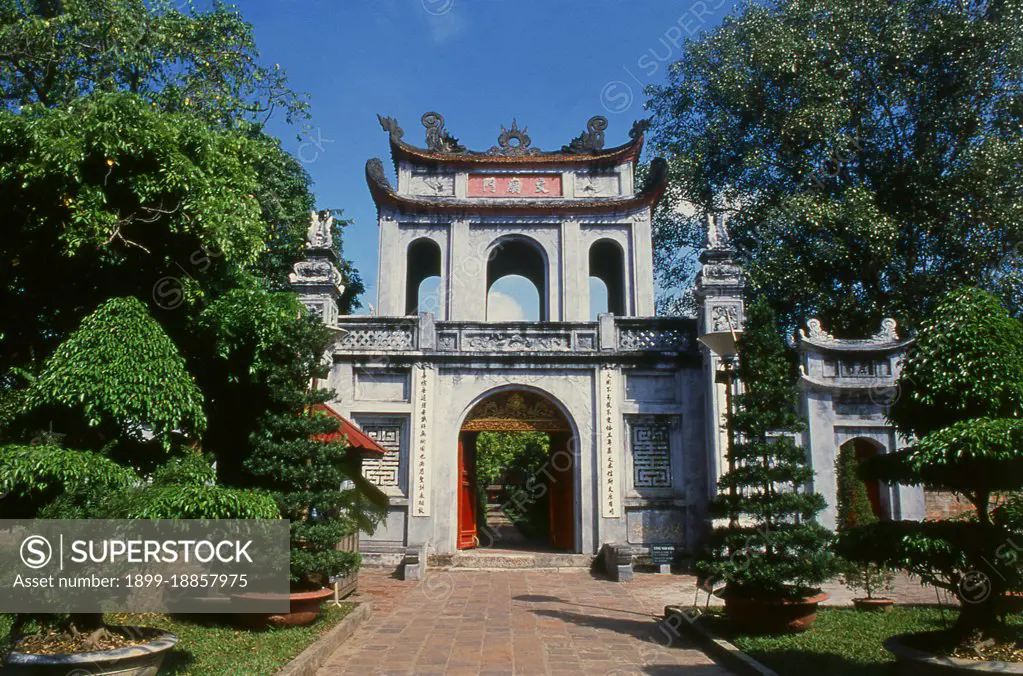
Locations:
column 550, row 64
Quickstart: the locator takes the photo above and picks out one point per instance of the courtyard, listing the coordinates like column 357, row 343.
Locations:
column 511, row 622
column 671, row 339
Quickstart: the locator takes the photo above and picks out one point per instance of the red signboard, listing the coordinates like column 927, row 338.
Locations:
column 515, row 185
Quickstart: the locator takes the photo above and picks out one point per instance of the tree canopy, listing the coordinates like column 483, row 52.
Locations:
column 133, row 163
column 959, row 399
column 867, row 153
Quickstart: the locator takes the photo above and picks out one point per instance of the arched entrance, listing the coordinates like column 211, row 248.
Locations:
column 545, row 492
column 865, row 448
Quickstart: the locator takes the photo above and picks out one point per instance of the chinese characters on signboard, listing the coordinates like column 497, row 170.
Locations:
column 515, row 185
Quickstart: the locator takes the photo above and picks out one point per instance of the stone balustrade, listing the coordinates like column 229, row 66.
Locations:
column 420, row 334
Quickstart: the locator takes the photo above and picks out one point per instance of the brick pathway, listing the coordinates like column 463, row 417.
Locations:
column 512, row 622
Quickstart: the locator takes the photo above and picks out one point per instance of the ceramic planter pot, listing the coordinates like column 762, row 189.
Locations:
column 882, row 605
column 763, row 615
column 143, row 659
column 913, row 659
column 305, row 608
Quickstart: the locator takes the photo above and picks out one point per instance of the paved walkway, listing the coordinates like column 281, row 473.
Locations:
column 511, row 622
column 533, row 623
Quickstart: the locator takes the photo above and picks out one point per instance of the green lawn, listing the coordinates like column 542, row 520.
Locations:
column 842, row 642
column 211, row 648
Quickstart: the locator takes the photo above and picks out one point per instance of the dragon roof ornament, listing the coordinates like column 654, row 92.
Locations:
column 513, row 142
column 886, row 337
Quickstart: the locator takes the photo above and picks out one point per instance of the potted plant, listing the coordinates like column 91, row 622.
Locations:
column 960, row 403
column 298, row 461
column 120, row 389
column 854, row 510
column 771, row 555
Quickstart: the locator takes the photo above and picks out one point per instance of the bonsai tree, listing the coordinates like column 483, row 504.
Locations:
column 293, row 460
column 960, row 404
column 118, row 384
column 771, row 547
column 854, row 511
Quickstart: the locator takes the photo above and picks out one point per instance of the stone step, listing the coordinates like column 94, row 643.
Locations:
column 511, row 560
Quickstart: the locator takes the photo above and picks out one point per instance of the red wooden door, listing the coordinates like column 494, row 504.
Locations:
column 562, row 492
column 466, row 491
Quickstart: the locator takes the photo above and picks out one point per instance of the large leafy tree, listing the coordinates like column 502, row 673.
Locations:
column 867, row 152
column 133, row 162
column 771, row 546
column 961, row 399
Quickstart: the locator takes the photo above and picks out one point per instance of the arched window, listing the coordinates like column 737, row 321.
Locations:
column 422, row 277
column 607, row 264
column 516, row 269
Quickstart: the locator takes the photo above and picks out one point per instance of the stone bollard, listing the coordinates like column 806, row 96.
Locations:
column 414, row 563
column 618, row 562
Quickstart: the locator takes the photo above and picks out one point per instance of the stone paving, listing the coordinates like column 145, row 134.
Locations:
column 517, row 622
column 525, row 622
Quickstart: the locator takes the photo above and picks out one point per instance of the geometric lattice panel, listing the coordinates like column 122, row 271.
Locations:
column 386, row 470
column 650, row 438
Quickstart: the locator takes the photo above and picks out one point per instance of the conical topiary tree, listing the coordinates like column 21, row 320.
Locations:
column 960, row 400
column 772, row 547
column 305, row 474
column 855, row 511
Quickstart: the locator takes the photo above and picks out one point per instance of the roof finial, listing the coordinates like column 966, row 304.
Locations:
column 591, row 140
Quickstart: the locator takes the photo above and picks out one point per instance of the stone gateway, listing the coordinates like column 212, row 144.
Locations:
column 630, row 402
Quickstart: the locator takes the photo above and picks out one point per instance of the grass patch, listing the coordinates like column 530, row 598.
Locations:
column 211, row 648
column 842, row 642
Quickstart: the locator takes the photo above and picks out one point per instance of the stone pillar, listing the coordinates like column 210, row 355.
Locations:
column 316, row 280
column 719, row 295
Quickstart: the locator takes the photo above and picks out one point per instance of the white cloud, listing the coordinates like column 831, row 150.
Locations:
column 445, row 26
column 503, row 308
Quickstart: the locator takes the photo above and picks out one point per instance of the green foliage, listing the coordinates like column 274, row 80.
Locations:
column 195, row 502
column 121, row 367
column 966, row 363
column 961, row 397
column 867, row 152
column 973, row 457
column 842, row 641
column 125, row 171
column 133, row 162
column 36, row 476
column 205, row 62
column 305, row 474
column 855, row 511
column 249, row 319
column 497, row 452
column 854, row 508
column 515, row 460
column 772, row 546
column 134, row 167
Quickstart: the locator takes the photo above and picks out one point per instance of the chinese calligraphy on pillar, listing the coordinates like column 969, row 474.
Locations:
column 609, row 473
column 420, row 455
